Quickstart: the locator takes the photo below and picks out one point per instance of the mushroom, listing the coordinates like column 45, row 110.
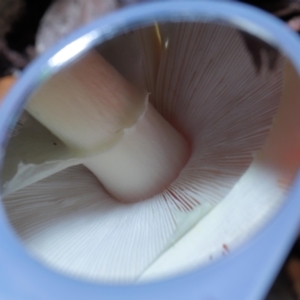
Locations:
column 219, row 108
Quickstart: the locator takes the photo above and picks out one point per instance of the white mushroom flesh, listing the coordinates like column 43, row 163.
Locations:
column 208, row 89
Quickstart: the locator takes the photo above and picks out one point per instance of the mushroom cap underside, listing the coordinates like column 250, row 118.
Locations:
column 207, row 87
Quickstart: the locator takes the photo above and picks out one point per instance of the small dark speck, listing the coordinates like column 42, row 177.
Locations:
column 225, row 247
column 55, row 144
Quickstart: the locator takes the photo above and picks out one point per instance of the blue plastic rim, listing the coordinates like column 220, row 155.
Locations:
column 245, row 274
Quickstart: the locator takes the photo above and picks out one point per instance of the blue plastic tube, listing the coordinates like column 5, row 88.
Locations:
column 247, row 273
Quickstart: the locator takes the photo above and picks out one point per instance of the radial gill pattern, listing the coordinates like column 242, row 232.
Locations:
column 208, row 88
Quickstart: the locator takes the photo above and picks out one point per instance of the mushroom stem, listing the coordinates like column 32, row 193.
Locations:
column 146, row 160
column 123, row 140
column 88, row 105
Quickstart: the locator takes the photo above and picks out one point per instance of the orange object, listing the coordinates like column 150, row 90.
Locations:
column 5, row 84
